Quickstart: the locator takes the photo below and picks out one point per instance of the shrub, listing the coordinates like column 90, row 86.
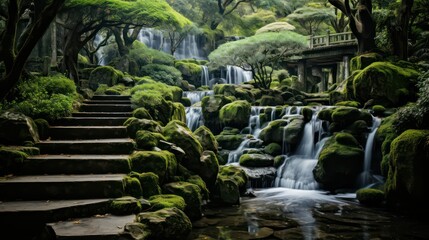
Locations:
column 166, row 74
column 144, row 55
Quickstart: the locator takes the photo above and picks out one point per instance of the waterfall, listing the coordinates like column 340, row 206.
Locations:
column 196, row 96
column 297, row 170
column 366, row 176
column 194, row 118
column 236, row 75
column 205, row 76
column 190, row 47
column 101, row 55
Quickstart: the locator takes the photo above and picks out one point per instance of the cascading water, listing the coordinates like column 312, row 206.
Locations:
column 100, row 53
column 205, row 76
column 194, row 117
column 366, row 177
column 196, row 96
column 190, row 47
column 237, row 75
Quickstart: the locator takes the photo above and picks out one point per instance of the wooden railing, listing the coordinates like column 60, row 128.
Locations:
column 331, row 39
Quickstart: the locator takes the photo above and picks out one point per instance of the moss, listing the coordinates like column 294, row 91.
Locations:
column 101, row 89
column 190, row 71
column 349, row 104
column 279, row 160
column 186, row 101
column 146, row 140
column 142, row 113
column 384, row 136
column 162, row 163
column 378, row 110
column 159, row 108
column 134, row 125
column 197, row 180
column 346, row 139
column 171, row 93
column 235, row 114
column 125, row 206
column 229, row 142
column 149, row 182
column 211, row 106
column 11, row 161
column 167, row 201
column 256, row 160
column 178, row 112
column 42, row 128
column 231, row 183
column 209, row 168
column 132, row 187
column 206, row 138
column 274, row 131
column 370, row 197
column 307, row 113
column 104, row 75
column 325, row 114
column 234, row 173
column 273, row 149
column 362, row 61
column 192, row 195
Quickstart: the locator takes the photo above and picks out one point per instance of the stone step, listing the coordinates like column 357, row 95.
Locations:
column 90, row 121
column 47, row 187
column 105, row 108
column 110, row 97
column 94, row 146
column 75, row 164
column 87, row 132
column 107, row 101
column 102, row 114
column 44, row 211
column 101, row 227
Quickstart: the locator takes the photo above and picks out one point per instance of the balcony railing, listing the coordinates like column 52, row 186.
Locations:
column 331, row 39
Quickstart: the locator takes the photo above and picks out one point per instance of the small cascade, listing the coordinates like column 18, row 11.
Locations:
column 190, row 47
column 194, row 117
column 236, row 75
column 196, row 96
column 101, row 54
column 205, row 76
column 366, row 177
column 297, row 170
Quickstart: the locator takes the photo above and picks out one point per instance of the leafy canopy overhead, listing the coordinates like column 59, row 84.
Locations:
column 137, row 12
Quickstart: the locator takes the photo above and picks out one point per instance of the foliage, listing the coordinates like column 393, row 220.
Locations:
column 310, row 18
column 45, row 97
column 144, row 55
column 260, row 53
column 166, row 74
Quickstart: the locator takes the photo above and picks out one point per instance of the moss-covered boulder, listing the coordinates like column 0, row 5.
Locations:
column 16, row 129
column 370, row 196
column 273, row 149
column 125, row 206
column 142, row 113
column 206, row 138
column 155, row 103
column 384, row 137
column 197, row 180
column 348, row 104
column 406, row 183
column 386, row 83
column 235, row 114
column 340, row 162
column 190, row 71
column 211, row 106
column 149, row 182
column 191, row 193
column 209, row 168
column 256, row 160
column 134, row 125
column 325, row 114
column 177, row 132
column 11, row 161
column 274, row 131
column 162, row 163
column 345, row 116
column 364, row 60
column 167, row 223
column 162, row 201
column 178, row 112
column 230, row 142
column 230, row 184
column 132, row 186
column 146, row 140
column 104, row 75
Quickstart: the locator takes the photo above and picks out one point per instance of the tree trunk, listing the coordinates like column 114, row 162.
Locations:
column 54, row 44
column 120, row 42
column 400, row 28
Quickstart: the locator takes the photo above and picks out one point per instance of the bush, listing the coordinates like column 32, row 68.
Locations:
column 166, row 74
column 144, row 55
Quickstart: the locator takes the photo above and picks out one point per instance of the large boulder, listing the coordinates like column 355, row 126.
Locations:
column 256, row 160
column 16, row 129
column 340, row 162
column 191, row 193
column 230, row 184
column 406, row 183
column 162, row 163
column 235, row 114
column 206, row 138
column 209, row 168
column 211, row 106
column 104, row 75
column 134, row 125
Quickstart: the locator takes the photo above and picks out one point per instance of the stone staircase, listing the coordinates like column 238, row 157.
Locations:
column 79, row 170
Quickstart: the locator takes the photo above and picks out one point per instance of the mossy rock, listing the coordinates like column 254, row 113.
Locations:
column 155, row 103
column 279, row 160
column 186, row 101
column 104, row 75
column 16, row 129
column 345, row 116
column 134, row 125
column 167, row 223
column 149, row 182
column 132, row 186
column 125, row 206
column 230, row 142
column 230, row 184
column 274, row 131
column 325, row 114
column 211, row 106
column 192, row 195
column 348, row 104
column 162, row 201
column 206, row 138
column 197, row 180
column 177, row 132
column 11, row 161
column 42, row 128
column 142, row 113
column 190, row 71
column 256, row 160
column 224, row 89
column 406, row 183
column 273, row 149
column 385, row 135
column 235, row 114
column 293, row 131
column 209, row 168
column 178, row 112
column 370, row 196
column 146, row 140
column 339, row 163
column 307, row 113
column 378, row 110
column 364, row 60
column 162, row 163
column 387, row 84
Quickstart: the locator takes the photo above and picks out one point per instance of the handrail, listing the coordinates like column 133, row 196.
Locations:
column 331, row 39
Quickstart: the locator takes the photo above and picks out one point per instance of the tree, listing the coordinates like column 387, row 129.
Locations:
column 15, row 48
column 310, row 18
column 260, row 54
column 361, row 22
column 176, row 35
column 83, row 19
column 399, row 29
